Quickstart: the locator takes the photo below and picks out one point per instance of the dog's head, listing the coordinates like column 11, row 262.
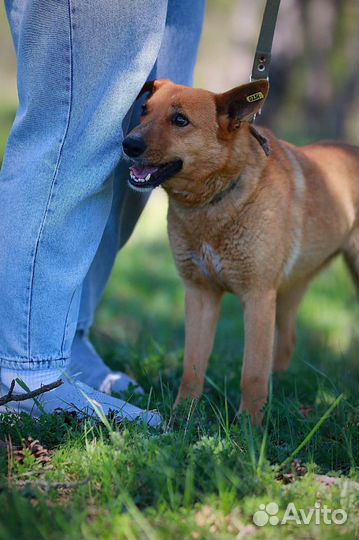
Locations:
column 185, row 135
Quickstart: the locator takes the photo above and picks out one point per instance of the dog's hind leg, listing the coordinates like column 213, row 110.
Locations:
column 202, row 312
column 351, row 255
column 286, row 313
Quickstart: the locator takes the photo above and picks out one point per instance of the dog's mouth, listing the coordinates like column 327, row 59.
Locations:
column 147, row 177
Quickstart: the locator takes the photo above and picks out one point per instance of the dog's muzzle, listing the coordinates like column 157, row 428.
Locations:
column 147, row 177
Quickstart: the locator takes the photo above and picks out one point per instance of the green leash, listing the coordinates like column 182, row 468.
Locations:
column 260, row 69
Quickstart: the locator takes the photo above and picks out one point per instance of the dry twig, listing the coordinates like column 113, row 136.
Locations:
column 28, row 395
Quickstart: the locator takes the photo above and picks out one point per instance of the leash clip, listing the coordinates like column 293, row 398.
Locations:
column 251, row 79
column 263, row 54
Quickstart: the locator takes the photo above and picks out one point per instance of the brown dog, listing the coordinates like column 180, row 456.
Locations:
column 241, row 221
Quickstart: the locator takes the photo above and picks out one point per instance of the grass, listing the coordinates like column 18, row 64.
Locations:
column 207, row 476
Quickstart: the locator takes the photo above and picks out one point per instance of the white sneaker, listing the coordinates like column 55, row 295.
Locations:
column 87, row 366
column 78, row 397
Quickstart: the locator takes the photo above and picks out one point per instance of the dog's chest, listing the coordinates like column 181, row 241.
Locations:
column 208, row 262
column 212, row 252
column 203, row 262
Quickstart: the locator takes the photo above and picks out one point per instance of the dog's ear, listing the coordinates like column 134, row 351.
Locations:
column 241, row 104
column 151, row 86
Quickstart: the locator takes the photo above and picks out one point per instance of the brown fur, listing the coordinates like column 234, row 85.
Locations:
column 238, row 221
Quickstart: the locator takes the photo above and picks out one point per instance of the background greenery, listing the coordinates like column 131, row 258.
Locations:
column 206, row 476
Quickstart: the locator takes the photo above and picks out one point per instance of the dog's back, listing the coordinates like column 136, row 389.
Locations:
column 324, row 203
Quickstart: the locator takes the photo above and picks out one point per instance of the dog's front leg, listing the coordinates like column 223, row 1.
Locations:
column 202, row 311
column 259, row 319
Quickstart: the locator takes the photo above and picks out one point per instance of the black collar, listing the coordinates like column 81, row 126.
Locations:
column 219, row 196
column 266, row 149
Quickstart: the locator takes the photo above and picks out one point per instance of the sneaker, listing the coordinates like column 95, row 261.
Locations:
column 78, row 397
column 87, row 366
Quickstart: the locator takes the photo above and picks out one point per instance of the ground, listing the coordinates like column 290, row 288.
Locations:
column 205, row 476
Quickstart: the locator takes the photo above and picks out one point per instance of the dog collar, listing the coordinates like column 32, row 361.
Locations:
column 262, row 140
column 219, row 196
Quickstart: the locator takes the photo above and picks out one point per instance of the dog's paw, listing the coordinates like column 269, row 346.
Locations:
column 182, row 413
column 188, row 392
column 254, row 412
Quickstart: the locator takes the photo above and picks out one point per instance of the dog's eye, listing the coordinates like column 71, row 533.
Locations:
column 180, row 120
column 144, row 110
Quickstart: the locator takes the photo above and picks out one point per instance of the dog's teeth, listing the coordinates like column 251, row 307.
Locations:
column 139, row 179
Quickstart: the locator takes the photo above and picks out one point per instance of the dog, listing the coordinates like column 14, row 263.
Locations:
column 248, row 214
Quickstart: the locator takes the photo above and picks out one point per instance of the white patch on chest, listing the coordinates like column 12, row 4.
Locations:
column 297, row 230
column 208, row 262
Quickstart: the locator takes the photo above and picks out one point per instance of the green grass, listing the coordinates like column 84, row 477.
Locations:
column 206, row 476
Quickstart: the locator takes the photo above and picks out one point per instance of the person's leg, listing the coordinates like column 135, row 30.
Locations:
column 86, row 364
column 176, row 61
column 79, row 70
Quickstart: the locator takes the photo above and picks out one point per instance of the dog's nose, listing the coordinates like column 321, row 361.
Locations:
column 133, row 146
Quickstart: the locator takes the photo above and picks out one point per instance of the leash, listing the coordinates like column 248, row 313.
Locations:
column 260, row 70
column 262, row 58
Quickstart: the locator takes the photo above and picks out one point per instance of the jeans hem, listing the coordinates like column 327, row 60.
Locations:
column 33, row 364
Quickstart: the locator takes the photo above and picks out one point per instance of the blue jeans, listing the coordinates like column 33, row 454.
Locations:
column 65, row 205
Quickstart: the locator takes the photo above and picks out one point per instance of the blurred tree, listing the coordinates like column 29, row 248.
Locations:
column 314, row 72
column 315, row 78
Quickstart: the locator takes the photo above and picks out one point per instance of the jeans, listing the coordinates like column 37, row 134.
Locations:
column 65, row 205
